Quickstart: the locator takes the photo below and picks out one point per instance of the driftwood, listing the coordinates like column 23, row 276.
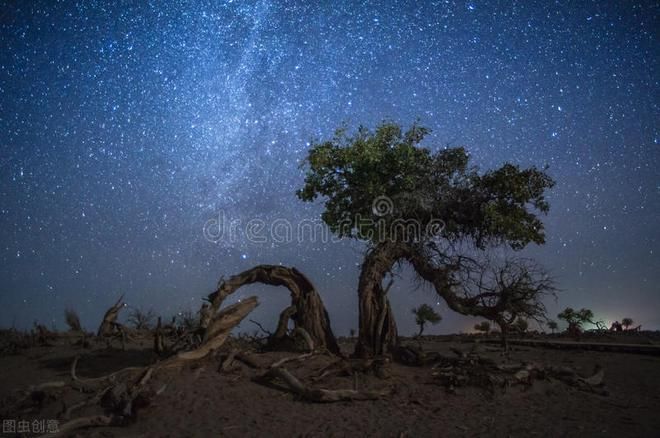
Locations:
column 123, row 392
column 220, row 327
column 319, row 395
column 353, row 367
column 472, row 369
column 94, row 384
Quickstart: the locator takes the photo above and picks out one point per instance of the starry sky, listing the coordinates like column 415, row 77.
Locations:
column 125, row 127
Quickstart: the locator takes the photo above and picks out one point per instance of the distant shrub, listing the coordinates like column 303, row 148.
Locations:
column 72, row 320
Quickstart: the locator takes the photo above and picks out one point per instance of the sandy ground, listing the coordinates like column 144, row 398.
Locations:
column 200, row 400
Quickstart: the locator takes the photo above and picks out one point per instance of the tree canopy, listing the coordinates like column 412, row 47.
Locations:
column 431, row 187
column 423, row 314
column 576, row 318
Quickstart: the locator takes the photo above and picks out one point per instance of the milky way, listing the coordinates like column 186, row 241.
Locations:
column 126, row 126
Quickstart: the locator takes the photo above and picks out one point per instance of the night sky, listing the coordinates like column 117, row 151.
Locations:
column 126, row 126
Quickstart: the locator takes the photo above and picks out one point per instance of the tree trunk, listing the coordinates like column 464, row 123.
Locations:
column 109, row 324
column 378, row 333
column 310, row 312
column 421, row 330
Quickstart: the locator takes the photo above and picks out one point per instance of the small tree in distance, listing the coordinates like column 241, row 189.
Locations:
column 424, row 314
column 72, row 320
column 627, row 323
column 141, row 319
column 576, row 320
column 483, row 326
column 552, row 325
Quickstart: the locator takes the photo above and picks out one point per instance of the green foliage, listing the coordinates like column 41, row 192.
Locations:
column 429, row 187
column 483, row 326
column 425, row 313
column 576, row 318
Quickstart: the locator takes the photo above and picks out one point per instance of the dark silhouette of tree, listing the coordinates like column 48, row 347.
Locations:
column 423, row 314
column 576, row 319
column 72, row 320
column 552, row 325
column 188, row 320
column 512, row 290
column 141, row 319
column 627, row 323
column 411, row 203
column 483, row 326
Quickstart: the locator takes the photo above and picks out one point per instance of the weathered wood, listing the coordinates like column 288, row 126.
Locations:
column 320, row 395
column 377, row 327
column 283, row 323
column 310, row 314
column 220, row 327
column 109, row 323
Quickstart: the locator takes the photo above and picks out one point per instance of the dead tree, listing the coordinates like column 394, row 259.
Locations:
column 310, row 313
column 109, row 324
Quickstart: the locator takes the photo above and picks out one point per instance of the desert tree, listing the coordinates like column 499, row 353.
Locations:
column 576, row 319
column 552, row 325
column 627, row 323
column 141, row 319
column 510, row 292
column 483, row 327
column 72, row 320
column 423, row 314
column 409, row 203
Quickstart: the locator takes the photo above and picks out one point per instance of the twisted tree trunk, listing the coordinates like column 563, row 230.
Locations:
column 378, row 333
column 310, row 313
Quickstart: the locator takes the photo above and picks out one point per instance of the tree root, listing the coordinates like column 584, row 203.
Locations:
column 319, row 395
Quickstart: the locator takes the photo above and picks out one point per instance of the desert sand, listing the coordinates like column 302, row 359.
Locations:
column 204, row 399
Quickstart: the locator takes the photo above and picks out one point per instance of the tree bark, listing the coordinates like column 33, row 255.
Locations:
column 283, row 323
column 378, row 333
column 220, row 327
column 109, row 323
column 310, row 314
